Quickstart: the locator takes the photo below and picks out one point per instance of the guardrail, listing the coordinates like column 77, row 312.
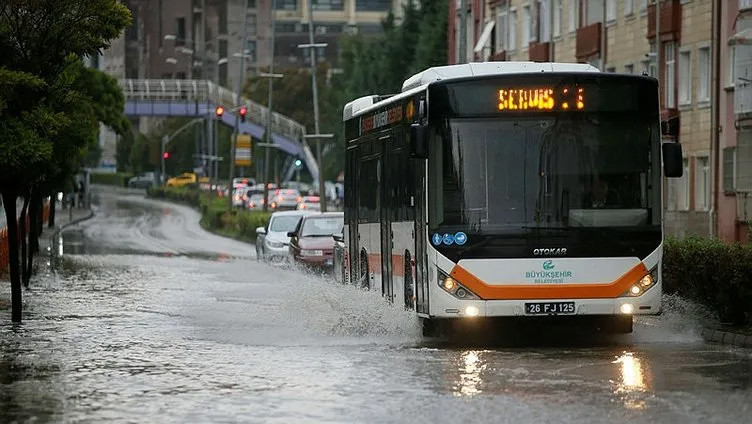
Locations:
column 204, row 91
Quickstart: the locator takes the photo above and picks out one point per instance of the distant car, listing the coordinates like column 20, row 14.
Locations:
column 309, row 203
column 145, row 180
column 272, row 240
column 184, row 179
column 256, row 202
column 285, row 199
column 240, row 197
column 311, row 242
column 243, row 182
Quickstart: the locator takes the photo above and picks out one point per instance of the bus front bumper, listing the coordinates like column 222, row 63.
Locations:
column 446, row 306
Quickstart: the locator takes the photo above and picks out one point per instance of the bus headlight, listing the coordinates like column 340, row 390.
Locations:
column 453, row 287
column 641, row 286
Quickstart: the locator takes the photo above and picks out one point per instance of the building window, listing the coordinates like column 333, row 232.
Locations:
column 731, row 65
column 702, row 183
column 682, row 200
column 558, row 8
column 252, row 24
column 645, row 67
column 502, row 31
column 528, row 28
column 573, row 9
column 643, row 6
column 180, row 31
column 628, row 7
column 373, row 5
column 685, row 77
column 703, row 74
column 729, row 169
column 652, row 68
column 670, row 69
column 250, row 50
column 594, row 11
column 544, row 21
column 610, row 10
column 629, row 68
column 611, row 69
column 328, row 5
column 512, row 30
column 287, row 5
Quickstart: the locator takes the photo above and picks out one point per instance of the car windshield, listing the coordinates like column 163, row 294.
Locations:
column 284, row 224
column 322, row 227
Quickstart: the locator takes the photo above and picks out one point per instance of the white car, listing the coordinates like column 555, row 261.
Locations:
column 272, row 241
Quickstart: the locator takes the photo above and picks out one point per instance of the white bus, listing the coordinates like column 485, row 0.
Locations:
column 509, row 189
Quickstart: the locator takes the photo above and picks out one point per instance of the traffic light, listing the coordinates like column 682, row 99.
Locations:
column 243, row 111
column 298, row 163
column 166, row 155
column 219, row 111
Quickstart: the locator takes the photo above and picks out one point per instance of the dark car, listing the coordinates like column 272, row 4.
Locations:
column 311, row 243
column 145, row 180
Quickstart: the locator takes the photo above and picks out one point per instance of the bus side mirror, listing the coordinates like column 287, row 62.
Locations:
column 673, row 163
column 419, row 141
column 670, row 127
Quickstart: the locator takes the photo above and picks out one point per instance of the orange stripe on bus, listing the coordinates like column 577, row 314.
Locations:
column 559, row 291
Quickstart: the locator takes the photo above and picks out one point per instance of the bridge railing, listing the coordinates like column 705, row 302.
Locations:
column 203, row 91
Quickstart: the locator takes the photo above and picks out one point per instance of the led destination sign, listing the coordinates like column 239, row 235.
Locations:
column 541, row 99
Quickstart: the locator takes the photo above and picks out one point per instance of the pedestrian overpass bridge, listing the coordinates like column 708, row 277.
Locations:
column 199, row 98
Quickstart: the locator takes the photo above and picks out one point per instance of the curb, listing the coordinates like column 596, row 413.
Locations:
column 74, row 222
column 726, row 338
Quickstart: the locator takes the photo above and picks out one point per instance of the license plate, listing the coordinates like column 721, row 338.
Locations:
column 549, row 308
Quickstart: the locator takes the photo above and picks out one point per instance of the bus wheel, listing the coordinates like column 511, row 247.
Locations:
column 364, row 283
column 430, row 327
column 408, row 282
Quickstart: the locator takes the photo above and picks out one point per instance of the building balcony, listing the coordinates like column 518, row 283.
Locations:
column 588, row 41
column 671, row 17
column 499, row 56
column 539, row 52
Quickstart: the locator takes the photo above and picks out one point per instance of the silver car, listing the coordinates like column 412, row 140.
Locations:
column 272, row 240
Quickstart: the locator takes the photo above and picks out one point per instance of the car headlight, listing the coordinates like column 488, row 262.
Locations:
column 275, row 244
column 643, row 284
column 453, row 287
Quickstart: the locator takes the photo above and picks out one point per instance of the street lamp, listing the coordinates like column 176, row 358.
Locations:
column 317, row 133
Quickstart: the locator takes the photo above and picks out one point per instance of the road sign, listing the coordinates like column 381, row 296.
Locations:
column 243, row 150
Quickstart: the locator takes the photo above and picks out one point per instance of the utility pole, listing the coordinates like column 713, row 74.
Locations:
column 238, row 89
column 268, row 132
column 318, row 136
column 462, row 54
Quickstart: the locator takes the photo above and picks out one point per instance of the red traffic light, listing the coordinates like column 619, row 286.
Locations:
column 219, row 111
column 166, row 155
column 243, row 111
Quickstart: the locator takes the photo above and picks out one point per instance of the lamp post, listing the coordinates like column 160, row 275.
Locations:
column 268, row 133
column 317, row 133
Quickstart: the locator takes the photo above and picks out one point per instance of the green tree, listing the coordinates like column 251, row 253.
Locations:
column 40, row 40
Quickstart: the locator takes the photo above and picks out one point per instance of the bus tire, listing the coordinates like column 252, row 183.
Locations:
column 408, row 282
column 364, row 283
column 430, row 327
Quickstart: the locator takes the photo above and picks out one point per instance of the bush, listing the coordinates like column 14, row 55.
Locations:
column 119, row 179
column 713, row 273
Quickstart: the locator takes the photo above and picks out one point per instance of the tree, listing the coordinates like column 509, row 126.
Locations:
column 40, row 40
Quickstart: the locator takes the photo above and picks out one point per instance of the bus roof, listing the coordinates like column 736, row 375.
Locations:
column 420, row 80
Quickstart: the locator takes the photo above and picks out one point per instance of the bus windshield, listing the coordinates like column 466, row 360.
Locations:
column 544, row 171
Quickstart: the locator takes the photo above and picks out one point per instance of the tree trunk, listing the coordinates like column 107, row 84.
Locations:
column 53, row 202
column 22, row 220
column 9, row 203
column 34, row 212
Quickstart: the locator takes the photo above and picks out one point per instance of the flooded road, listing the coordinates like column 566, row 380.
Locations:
column 147, row 318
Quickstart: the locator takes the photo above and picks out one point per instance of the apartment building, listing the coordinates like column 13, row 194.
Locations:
column 692, row 56
column 332, row 19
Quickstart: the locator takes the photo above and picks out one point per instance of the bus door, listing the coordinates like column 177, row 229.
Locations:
column 386, row 183
column 421, row 272
column 351, row 204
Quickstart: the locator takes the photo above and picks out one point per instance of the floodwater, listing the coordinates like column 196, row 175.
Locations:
column 147, row 318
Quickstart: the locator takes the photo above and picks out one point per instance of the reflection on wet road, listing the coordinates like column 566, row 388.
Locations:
column 149, row 319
